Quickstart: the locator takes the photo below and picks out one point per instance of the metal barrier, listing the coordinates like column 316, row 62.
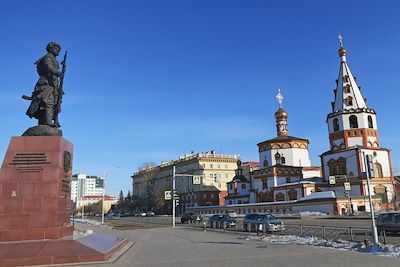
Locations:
column 327, row 232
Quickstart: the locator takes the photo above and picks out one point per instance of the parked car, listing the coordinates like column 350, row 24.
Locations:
column 150, row 214
column 389, row 221
column 190, row 217
column 269, row 221
column 220, row 219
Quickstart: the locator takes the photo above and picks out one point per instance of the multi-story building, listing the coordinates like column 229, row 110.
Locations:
column 215, row 170
column 87, row 200
column 86, row 185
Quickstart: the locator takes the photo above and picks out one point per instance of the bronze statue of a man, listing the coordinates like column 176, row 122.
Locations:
column 46, row 97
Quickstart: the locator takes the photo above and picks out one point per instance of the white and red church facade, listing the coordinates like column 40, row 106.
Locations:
column 287, row 182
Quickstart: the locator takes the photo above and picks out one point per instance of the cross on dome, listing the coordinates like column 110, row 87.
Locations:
column 340, row 37
column 279, row 98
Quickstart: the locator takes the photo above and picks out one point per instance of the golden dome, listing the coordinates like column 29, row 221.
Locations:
column 281, row 114
column 342, row 51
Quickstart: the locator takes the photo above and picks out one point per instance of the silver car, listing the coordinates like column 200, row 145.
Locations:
column 389, row 221
column 270, row 222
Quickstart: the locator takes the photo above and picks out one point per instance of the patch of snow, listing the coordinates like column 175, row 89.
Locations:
column 318, row 195
column 89, row 222
column 380, row 249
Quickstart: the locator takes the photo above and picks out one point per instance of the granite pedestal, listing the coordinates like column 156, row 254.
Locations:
column 35, row 206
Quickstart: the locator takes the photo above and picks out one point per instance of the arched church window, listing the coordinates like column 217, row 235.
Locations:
column 378, row 169
column 349, row 101
column 280, row 197
column 370, row 122
column 353, row 121
column 347, row 88
column 283, row 160
column 337, row 167
column 335, row 125
column 278, row 157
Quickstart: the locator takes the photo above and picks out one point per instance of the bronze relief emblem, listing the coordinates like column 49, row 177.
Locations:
column 67, row 161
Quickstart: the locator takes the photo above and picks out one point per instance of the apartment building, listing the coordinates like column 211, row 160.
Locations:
column 215, row 170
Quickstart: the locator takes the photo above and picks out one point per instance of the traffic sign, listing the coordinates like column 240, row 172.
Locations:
column 332, row 180
column 347, row 186
column 167, row 195
column 196, row 179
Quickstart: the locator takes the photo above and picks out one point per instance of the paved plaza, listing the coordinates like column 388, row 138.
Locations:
column 167, row 247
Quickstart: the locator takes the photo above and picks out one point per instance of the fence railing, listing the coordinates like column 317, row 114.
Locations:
column 356, row 234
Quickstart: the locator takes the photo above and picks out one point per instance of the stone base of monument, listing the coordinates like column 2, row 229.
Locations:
column 92, row 248
column 35, row 206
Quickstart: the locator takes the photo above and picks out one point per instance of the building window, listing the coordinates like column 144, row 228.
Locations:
column 353, row 121
column 211, row 166
column 211, row 176
column 218, row 166
column 349, row 101
column 381, row 192
column 230, row 186
column 292, row 194
column 347, row 88
column 265, row 184
column 230, row 202
column 243, row 186
column 204, row 196
column 370, row 122
column 239, row 201
column 335, row 125
column 280, row 197
column 277, row 158
column 287, row 179
column 337, row 167
column 211, row 196
column 265, row 163
column 226, row 166
column 226, row 176
column 378, row 170
column 283, row 160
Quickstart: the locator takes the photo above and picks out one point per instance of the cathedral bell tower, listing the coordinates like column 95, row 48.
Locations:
column 353, row 135
column 351, row 122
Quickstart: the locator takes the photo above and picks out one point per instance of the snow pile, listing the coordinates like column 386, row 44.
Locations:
column 89, row 222
column 312, row 213
column 382, row 250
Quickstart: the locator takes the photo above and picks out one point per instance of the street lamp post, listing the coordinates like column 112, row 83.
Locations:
column 174, row 175
column 104, row 192
column 373, row 226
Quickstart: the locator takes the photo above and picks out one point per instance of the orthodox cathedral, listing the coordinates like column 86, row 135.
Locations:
column 285, row 180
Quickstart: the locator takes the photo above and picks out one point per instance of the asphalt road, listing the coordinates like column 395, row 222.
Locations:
column 167, row 247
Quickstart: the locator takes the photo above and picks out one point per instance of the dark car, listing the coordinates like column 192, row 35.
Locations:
column 190, row 217
column 269, row 221
column 219, row 220
column 389, row 221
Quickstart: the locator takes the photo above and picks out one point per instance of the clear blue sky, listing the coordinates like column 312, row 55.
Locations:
column 151, row 80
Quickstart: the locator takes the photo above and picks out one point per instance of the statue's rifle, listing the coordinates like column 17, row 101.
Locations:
column 57, row 108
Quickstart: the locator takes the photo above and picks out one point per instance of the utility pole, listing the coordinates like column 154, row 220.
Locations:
column 368, row 170
column 173, row 198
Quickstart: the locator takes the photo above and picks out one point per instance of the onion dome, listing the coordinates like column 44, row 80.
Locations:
column 281, row 114
column 239, row 177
